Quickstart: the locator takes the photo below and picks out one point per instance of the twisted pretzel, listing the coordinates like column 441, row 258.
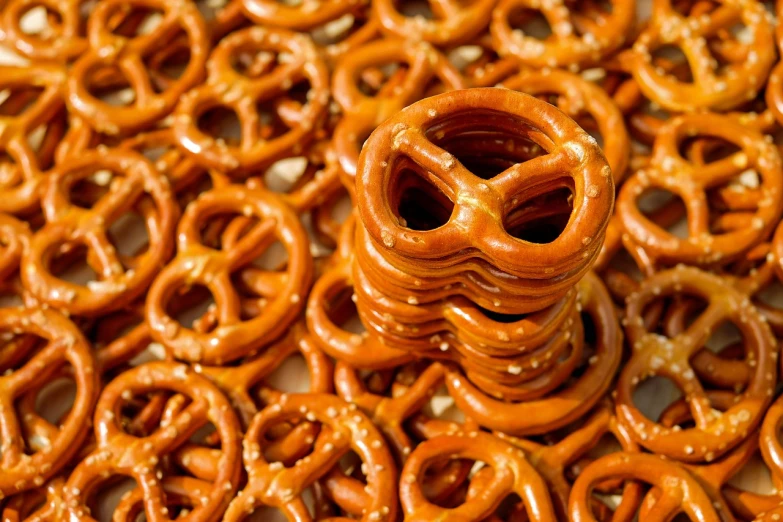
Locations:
column 21, row 113
column 452, row 23
column 283, row 293
column 572, row 157
column 579, row 36
column 265, row 80
column 343, row 429
column 658, row 355
column 63, row 41
column 64, row 344
column 134, row 185
column 586, row 103
column 673, row 173
column 119, row 453
column 679, row 491
column 154, row 97
column 736, row 82
column 510, row 473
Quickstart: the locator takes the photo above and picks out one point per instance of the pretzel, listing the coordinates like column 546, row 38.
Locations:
column 64, row 344
column 736, row 82
column 343, row 429
column 567, row 404
column 679, row 491
column 580, row 37
column 671, row 172
column 119, row 453
column 480, row 205
column 135, row 185
column 21, row 113
column 452, row 22
column 60, row 42
column 657, row 355
column 239, row 382
column 586, row 103
column 127, row 55
column 197, row 263
column 264, row 79
column 303, row 17
column 511, row 474
column 363, row 113
column 554, row 461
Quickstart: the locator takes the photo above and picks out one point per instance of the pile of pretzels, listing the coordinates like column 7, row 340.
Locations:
column 391, row 260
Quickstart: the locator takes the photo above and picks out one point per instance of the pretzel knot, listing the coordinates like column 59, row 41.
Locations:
column 668, row 170
column 510, row 474
column 154, row 97
column 738, row 78
column 142, row 458
column 343, row 429
column 250, row 72
column 679, row 491
column 124, row 181
column 653, row 354
column 453, row 22
column 410, row 140
column 586, row 103
column 28, row 464
column 23, row 111
column 260, row 219
column 62, row 42
column 580, row 35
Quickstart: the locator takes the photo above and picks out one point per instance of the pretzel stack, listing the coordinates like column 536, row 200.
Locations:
column 380, row 260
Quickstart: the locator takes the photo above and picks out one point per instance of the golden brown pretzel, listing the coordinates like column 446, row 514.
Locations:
column 680, row 492
column 64, row 344
column 282, row 293
column 582, row 33
column 572, row 157
column 670, row 171
column 119, row 453
column 712, row 88
column 127, row 55
column 21, row 113
column 302, row 17
column 133, row 186
column 452, row 23
column 343, row 428
column 510, row 473
column 264, row 77
column 654, row 354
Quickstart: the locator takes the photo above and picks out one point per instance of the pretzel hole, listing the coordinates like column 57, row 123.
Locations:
column 222, row 124
column 137, row 21
column 772, row 295
column 194, row 309
column 168, row 65
column 128, row 234
column 373, row 79
column 109, row 85
column 529, row 22
column 666, row 209
column 70, row 264
column 701, row 150
column 105, row 496
column 39, row 20
column 335, row 30
column 652, row 396
column 287, row 376
column 671, row 60
column 342, row 311
column 285, row 174
column 10, row 174
column 442, row 406
column 541, row 219
column 418, row 204
column 210, row 9
column 415, row 9
column 754, row 477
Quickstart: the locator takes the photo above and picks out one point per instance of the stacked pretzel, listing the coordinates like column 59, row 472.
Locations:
column 485, row 260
